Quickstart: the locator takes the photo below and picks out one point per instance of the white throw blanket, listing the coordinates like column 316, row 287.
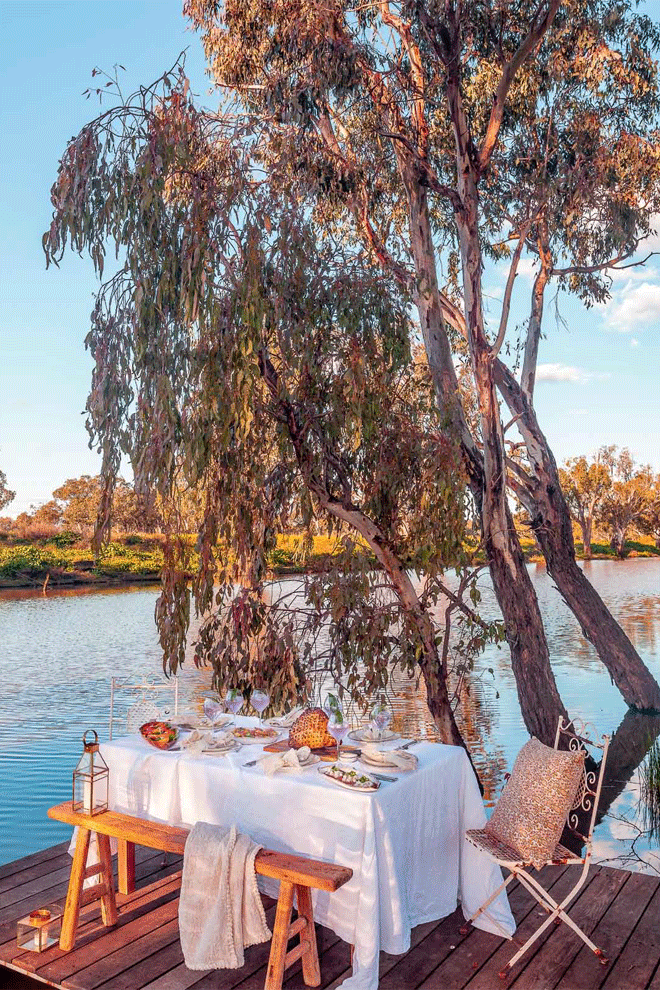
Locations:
column 220, row 909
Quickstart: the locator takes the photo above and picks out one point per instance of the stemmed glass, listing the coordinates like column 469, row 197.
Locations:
column 214, row 710
column 260, row 701
column 337, row 725
column 337, row 728
column 234, row 700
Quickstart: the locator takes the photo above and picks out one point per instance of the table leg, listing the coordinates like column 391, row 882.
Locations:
column 72, row 907
column 108, row 901
column 276, row 961
column 126, row 866
column 310, row 959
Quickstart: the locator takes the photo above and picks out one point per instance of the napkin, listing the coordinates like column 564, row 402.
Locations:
column 195, row 741
column 291, row 762
column 284, row 721
column 401, row 758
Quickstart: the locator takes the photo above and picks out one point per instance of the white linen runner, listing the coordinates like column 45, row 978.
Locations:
column 220, row 909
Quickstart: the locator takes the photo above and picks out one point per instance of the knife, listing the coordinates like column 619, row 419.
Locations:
column 382, row 776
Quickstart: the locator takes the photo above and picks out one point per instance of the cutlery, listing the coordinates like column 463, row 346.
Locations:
column 251, row 763
column 382, row 776
column 409, row 744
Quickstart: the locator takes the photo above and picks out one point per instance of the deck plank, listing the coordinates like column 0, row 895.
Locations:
column 544, row 968
column 464, row 964
column 611, row 933
column 18, row 865
column 143, row 952
column 54, row 962
column 167, row 968
column 636, row 964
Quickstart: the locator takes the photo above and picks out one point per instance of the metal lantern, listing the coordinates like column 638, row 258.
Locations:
column 40, row 930
column 90, row 779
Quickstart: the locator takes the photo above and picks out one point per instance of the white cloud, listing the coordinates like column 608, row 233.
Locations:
column 643, row 273
column 527, row 267
column 564, row 373
column 635, row 305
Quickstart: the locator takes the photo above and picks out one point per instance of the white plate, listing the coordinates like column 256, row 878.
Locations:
column 262, row 740
column 220, row 752
column 359, row 736
column 362, row 789
column 385, row 764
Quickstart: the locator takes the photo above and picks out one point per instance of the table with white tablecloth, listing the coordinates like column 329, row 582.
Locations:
column 404, row 842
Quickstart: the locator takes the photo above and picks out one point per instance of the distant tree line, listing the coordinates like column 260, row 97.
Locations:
column 610, row 491
column 608, row 494
column 74, row 508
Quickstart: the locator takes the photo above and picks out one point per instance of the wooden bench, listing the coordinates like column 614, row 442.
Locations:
column 297, row 875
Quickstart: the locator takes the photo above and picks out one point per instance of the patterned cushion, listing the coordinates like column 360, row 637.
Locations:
column 531, row 813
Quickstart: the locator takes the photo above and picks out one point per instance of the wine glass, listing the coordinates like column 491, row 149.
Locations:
column 213, row 710
column 234, row 701
column 337, row 727
column 260, row 701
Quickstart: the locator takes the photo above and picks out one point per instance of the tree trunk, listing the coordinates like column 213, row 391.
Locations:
column 551, row 522
column 539, row 699
column 540, row 703
column 586, row 538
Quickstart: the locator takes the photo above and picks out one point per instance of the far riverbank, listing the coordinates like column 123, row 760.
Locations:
column 65, row 561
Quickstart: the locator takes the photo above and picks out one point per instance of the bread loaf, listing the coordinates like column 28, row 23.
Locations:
column 311, row 729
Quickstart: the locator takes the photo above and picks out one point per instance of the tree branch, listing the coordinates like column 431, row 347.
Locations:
column 540, row 25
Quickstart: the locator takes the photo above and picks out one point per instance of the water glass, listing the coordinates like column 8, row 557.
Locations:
column 381, row 720
column 260, row 701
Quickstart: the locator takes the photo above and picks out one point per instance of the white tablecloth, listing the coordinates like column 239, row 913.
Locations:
column 405, row 842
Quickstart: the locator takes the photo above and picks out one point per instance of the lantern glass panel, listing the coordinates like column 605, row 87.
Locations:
column 40, row 929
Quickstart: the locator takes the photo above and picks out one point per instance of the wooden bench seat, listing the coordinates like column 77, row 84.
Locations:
column 297, row 875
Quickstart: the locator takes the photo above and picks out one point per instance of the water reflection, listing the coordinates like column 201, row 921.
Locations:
column 60, row 650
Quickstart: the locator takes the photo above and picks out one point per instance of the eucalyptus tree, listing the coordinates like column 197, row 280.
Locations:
column 237, row 353
column 441, row 135
column 584, row 485
column 6, row 496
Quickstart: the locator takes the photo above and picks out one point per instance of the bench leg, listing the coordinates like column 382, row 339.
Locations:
column 278, row 946
column 72, row 907
column 126, row 866
column 108, row 901
column 310, row 959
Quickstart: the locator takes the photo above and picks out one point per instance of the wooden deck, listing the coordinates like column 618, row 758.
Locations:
column 620, row 910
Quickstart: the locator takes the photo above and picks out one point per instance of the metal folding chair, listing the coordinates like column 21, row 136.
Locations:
column 572, row 735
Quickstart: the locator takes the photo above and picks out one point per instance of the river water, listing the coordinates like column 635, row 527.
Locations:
column 59, row 651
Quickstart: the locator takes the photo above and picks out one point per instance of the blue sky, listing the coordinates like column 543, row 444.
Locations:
column 600, row 377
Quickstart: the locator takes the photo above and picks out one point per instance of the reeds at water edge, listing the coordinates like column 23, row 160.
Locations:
column 649, row 777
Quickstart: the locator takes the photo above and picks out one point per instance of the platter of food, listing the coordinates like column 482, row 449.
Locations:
column 352, row 779
column 162, row 735
column 255, row 734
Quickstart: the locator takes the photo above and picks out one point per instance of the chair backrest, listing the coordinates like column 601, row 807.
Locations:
column 149, row 698
column 578, row 736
